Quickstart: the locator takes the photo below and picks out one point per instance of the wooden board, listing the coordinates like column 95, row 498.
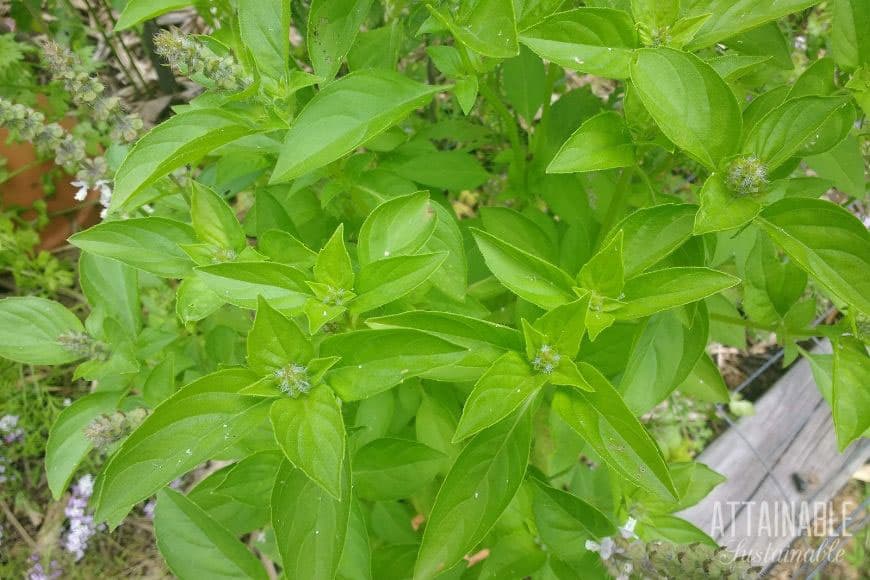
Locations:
column 778, row 462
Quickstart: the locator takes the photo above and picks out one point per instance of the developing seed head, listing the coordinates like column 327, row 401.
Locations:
column 76, row 342
column 293, row 380
column 48, row 137
column 220, row 255
column 747, row 175
column 92, row 171
column 336, row 296
column 546, row 359
column 70, row 152
column 110, row 428
column 189, row 56
column 125, row 127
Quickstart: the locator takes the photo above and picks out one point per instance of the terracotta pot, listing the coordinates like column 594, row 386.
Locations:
column 23, row 189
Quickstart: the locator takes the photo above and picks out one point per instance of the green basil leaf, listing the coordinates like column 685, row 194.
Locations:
column 160, row 384
column 344, row 115
column 602, row 418
column 112, row 290
column 693, row 481
column 527, row 276
column 356, row 557
column 310, row 431
column 664, row 353
column 389, row 469
column 462, row 330
column 705, row 383
column 565, row 521
column 452, row 277
column 281, row 246
column 603, row 273
column 771, row 286
column 398, row 227
column 30, row 329
column 193, row 543
column 478, row 489
column 597, row 41
column 722, row 209
column 389, row 279
column 730, row 17
column 689, row 102
column 843, row 165
column 136, row 11
column 199, row 421
column 264, row 28
column 213, row 220
column 602, row 142
column 376, row 360
column 242, row 283
column 520, row 231
column 524, row 81
column 784, row 131
column 333, row 266
column 275, row 341
column 67, row 445
column 488, row 27
column 652, row 234
column 451, row 170
column 152, row 244
column 333, row 26
column 850, row 400
column 668, row 288
column 828, row 242
column 195, row 299
column 310, row 525
column 849, row 45
column 500, row 391
column 181, row 139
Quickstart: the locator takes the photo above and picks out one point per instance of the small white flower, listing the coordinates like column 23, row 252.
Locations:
column 604, row 549
column 8, row 423
column 627, row 531
column 82, row 193
column 105, row 192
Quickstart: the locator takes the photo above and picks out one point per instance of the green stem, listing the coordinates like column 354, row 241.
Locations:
column 510, row 125
column 21, row 169
column 617, row 204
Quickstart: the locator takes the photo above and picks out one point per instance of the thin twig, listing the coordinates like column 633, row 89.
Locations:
column 17, row 525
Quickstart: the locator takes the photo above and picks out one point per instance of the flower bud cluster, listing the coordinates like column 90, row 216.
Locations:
column 108, row 429
column 293, row 380
column 624, row 556
column 546, row 359
column 189, row 57
column 88, row 91
column 747, row 175
column 81, row 524
column 26, row 124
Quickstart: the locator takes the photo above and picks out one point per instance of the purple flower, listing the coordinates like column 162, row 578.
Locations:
column 81, row 524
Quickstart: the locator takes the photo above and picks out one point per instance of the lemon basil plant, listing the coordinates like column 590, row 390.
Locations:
column 431, row 265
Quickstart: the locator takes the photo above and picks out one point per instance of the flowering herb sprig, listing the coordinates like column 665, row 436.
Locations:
column 88, row 91
column 189, row 56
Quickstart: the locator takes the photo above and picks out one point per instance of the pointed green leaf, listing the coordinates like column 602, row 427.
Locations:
column 609, row 427
column 602, row 142
column 194, row 544
column 344, row 115
column 310, row 431
column 152, row 244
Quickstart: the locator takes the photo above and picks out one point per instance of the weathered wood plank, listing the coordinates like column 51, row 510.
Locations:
column 778, row 462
